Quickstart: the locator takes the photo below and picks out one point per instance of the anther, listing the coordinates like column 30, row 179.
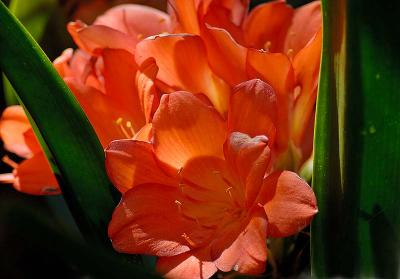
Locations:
column 118, row 122
column 260, row 205
column 139, row 36
column 228, row 191
column 9, row 162
column 187, row 238
column 129, row 126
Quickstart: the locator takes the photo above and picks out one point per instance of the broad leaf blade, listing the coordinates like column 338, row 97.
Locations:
column 62, row 123
column 357, row 150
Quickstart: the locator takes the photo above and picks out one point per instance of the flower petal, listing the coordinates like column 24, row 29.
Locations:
column 35, row 177
column 13, row 125
column 275, row 69
column 96, row 37
column 148, row 220
column 266, row 26
column 139, row 21
column 182, row 64
column 289, row 203
column 192, row 264
column 250, row 158
column 247, row 252
column 184, row 127
column 306, row 22
column 253, row 109
column 184, row 16
column 306, row 65
column 130, row 163
column 227, row 58
column 119, row 78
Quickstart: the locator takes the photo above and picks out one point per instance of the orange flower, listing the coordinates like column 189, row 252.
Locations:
column 202, row 194
column 118, row 97
column 275, row 43
column 33, row 176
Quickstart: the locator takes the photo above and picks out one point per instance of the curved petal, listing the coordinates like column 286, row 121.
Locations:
column 289, row 203
column 306, row 22
column 148, row 220
column 250, row 158
column 253, row 109
column 130, row 163
column 306, row 65
column 184, row 127
column 182, row 64
column 32, row 141
column 266, row 26
column 184, row 16
column 276, row 69
column 242, row 248
column 13, row 125
column 227, row 58
column 193, row 264
column 145, row 133
column 139, row 21
column 96, row 37
column 119, row 79
column 35, row 177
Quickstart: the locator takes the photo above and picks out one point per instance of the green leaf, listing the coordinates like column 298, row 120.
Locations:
column 66, row 131
column 357, row 151
column 34, row 15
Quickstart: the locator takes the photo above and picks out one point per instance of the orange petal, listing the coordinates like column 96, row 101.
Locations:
column 184, row 15
column 250, row 158
column 119, row 78
column 32, row 141
column 289, row 203
column 184, row 128
column 193, row 264
column 130, row 163
column 183, row 66
column 306, row 65
column 253, row 109
column 147, row 90
column 306, row 22
column 138, row 21
column 148, row 220
column 266, row 26
column 276, row 69
column 145, row 133
column 13, row 125
column 96, row 37
column 247, row 252
column 35, row 177
column 227, row 58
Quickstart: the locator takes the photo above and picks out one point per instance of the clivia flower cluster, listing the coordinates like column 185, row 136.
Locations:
column 203, row 113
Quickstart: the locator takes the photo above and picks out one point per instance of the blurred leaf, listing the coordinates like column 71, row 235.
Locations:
column 34, row 15
column 32, row 227
column 64, row 127
column 357, row 150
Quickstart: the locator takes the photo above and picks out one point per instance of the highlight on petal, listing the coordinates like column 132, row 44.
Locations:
column 35, row 177
column 266, row 26
column 185, row 127
column 253, row 109
column 289, row 203
column 13, row 125
column 183, row 65
column 130, row 163
column 138, row 21
column 195, row 264
column 148, row 220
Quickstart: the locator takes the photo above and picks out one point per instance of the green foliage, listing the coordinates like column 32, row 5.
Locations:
column 357, row 150
column 63, row 126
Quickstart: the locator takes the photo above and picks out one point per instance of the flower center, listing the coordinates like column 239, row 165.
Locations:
column 125, row 127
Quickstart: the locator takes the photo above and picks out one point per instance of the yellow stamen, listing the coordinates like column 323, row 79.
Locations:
column 267, row 45
column 290, row 53
column 130, row 127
